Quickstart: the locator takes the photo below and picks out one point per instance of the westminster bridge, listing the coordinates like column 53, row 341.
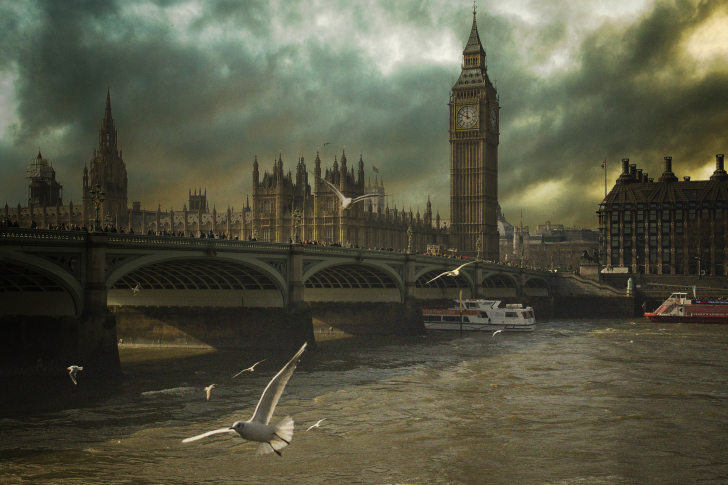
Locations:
column 85, row 281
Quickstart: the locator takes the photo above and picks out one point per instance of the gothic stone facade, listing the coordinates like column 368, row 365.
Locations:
column 474, row 138
column 277, row 195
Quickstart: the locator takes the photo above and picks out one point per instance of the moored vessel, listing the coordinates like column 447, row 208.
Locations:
column 680, row 309
column 481, row 315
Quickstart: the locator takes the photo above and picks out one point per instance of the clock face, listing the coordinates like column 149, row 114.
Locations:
column 467, row 116
column 493, row 118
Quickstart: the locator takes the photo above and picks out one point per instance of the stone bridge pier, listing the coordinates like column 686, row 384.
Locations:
column 98, row 351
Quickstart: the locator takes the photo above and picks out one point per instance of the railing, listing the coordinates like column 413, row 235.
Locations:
column 17, row 235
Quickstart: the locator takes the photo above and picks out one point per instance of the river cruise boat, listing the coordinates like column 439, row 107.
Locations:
column 481, row 315
column 680, row 309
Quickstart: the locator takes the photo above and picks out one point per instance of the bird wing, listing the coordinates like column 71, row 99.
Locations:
column 433, row 279
column 365, row 196
column 333, row 187
column 73, row 376
column 209, row 433
column 462, row 266
column 269, row 399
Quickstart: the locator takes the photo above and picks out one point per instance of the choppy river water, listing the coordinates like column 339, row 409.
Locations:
column 595, row 402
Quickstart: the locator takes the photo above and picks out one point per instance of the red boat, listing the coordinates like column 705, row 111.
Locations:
column 678, row 308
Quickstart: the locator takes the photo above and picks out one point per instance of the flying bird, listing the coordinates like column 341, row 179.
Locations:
column 272, row 437
column 72, row 371
column 315, row 425
column 137, row 289
column 249, row 369
column 208, row 390
column 497, row 331
column 327, row 143
column 347, row 201
column 454, row 272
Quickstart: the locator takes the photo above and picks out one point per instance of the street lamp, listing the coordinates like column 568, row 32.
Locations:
column 478, row 247
column 409, row 239
column 255, row 235
column 97, row 197
column 296, row 222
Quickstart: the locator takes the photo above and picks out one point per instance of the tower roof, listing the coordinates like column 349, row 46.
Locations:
column 474, row 45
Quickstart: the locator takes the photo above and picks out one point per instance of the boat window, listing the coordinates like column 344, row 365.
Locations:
column 511, row 315
column 466, row 320
column 482, row 315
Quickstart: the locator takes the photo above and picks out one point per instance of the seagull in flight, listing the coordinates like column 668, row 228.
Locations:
column 327, row 143
column 346, row 201
column 208, row 390
column 454, row 272
column 249, row 369
column 497, row 331
column 72, row 371
column 315, row 425
column 272, row 437
column 137, row 289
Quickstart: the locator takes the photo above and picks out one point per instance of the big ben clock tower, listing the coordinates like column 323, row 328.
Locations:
column 474, row 123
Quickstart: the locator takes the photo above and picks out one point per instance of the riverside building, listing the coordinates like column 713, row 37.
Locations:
column 668, row 226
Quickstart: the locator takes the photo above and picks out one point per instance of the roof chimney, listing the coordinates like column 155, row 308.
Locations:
column 624, row 177
column 667, row 175
column 720, row 173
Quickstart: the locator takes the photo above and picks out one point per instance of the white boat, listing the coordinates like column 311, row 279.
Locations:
column 481, row 315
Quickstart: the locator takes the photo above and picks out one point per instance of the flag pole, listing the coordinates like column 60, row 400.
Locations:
column 605, row 178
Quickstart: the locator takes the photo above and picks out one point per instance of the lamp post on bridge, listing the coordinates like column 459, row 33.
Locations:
column 98, row 196
column 296, row 222
column 409, row 240
column 478, row 247
column 255, row 235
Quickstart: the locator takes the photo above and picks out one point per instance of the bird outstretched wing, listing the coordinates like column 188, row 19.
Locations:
column 433, row 279
column 209, row 433
column 366, row 196
column 269, row 399
column 464, row 265
column 332, row 186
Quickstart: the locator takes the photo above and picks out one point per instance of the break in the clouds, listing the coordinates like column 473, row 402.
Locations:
column 200, row 88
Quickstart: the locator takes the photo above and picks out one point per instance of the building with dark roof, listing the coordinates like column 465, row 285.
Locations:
column 666, row 226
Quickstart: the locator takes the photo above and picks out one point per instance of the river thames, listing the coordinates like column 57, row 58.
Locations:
column 575, row 402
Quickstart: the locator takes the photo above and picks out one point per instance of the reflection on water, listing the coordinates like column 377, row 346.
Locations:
column 618, row 402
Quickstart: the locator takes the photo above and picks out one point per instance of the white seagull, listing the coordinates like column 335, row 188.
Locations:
column 208, row 390
column 315, row 425
column 454, row 272
column 272, row 437
column 497, row 331
column 137, row 289
column 346, row 201
column 72, row 371
column 249, row 369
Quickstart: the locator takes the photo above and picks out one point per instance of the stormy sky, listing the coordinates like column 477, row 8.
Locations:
column 200, row 88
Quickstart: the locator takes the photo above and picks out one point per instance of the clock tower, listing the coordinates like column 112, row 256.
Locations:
column 474, row 124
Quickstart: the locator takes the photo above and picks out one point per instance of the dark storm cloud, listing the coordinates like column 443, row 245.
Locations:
column 634, row 95
column 199, row 90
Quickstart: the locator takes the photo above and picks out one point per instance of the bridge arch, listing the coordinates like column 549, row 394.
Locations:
column 500, row 285
column 363, row 281
column 536, row 286
column 226, row 279
column 33, row 285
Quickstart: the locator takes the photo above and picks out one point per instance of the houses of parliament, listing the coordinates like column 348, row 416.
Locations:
column 280, row 197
